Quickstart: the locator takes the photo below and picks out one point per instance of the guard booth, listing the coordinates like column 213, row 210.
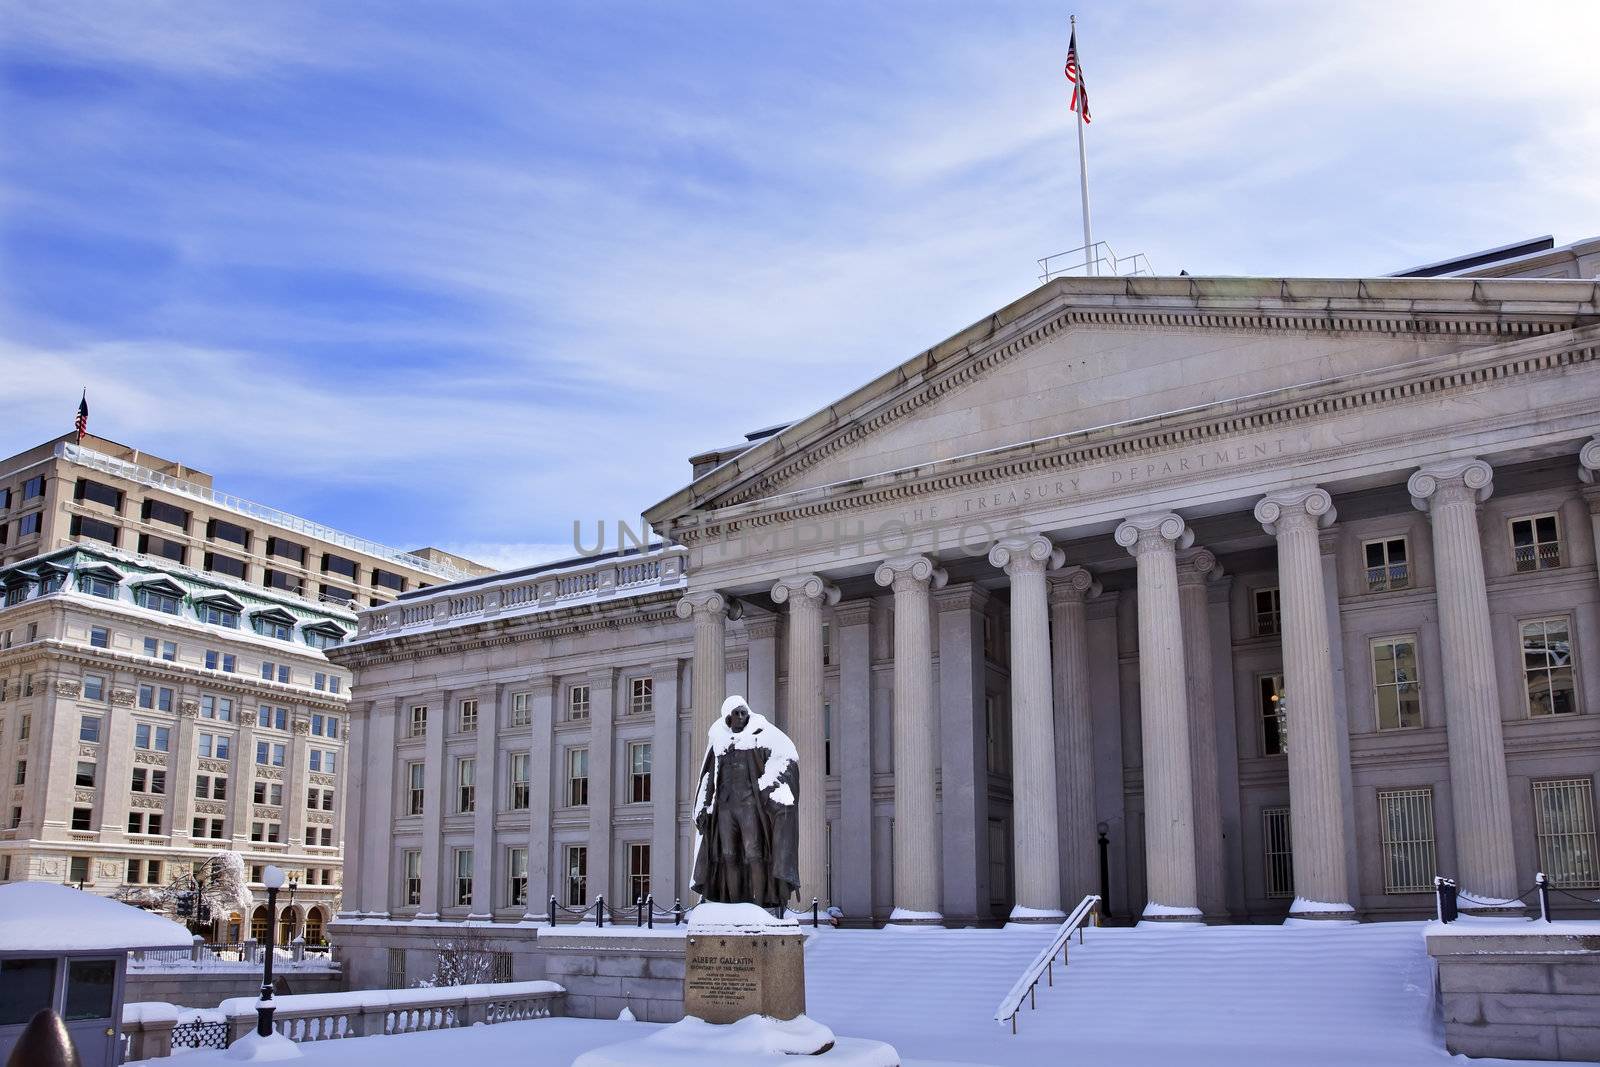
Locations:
column 67, row 950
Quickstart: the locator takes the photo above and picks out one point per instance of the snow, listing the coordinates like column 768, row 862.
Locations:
column 626, row 1016
column 253, row 1048
column 1301, row 904
column 906, row 915
column 45, row 917
column 1483, row 926
column 1020, row 913
column 1167, row 912
column 753, row 1040
column 739, row 918
column 588, row 931
column 382, row 998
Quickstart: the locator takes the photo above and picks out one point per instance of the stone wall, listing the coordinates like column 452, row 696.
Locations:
column 604, row 973
column 1526, row 995
column 207, row 989
column 362, row 948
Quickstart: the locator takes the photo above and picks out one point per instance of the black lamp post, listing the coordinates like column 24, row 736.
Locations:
column 1105, row 869
column 272, row 878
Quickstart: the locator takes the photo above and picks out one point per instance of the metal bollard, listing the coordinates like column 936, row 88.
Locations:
column 1544, row 895
column 814, row 913
column 552, row 909
column 600, row 912
column 677, row 911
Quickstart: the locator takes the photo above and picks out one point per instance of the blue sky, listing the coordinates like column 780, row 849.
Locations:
column 462, row 273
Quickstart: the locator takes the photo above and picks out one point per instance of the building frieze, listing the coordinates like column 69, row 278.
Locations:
column 83, row 796
column 1111, row 460
column 154, row 759
column 150, row 803
column 271, row 774
column 210, row 807
column 215, row 766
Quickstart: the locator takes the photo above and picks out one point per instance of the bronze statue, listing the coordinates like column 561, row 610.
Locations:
column 747, row 840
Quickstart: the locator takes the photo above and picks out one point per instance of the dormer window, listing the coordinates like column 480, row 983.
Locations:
column 274, row 622
column 161, row 595
column 323, row 635
column 99, row 581
column 219, row 609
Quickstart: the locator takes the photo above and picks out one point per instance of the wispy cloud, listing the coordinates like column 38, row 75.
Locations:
column 464, row 275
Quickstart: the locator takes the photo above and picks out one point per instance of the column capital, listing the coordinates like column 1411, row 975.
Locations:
column 1294, row 509
column 709, row 602
column 1589, row 459
column 1018, row 554
column 1197, row 566
column 809, row 586
column 1073, row 585
column 1157, row 531
column 920, row 570
column 1469, row 480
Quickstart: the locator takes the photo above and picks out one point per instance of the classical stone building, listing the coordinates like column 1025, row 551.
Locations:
column 1275, row 596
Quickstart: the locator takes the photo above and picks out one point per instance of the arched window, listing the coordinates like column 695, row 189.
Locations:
column 258, row 924
column 288, row 925
column 314, row 922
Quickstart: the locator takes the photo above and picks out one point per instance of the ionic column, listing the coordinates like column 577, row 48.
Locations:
column 852, row 879
column 806, row 594
column 664, row 784
column 485, row 889
column 1164, row 717
column 542, row 784
column 1037, row 844
column 1316, row 765
column 761, row 669
column 1450, row 493
column 916, row 828
column 1070, row 589
column 1588, row 464
column 710, row 612
column 1196, row 567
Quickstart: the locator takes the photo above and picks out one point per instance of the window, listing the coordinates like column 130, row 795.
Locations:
column 271, row 718
column 1547, row 667
column 638, row 872
column 466, row 787
column 516, row 876
column 215, row 707
column 1387, row 565
column 219, row 614
column 324, row 761
column 166, row 650
column 274, row 626
column 158, row 698
column 94, row 687
column 577, row 866
column 78, row 871
column 16, row 819
column 1565, row 813
column 419, row 720
column 89, row 728
column 144, row 823
column 1536, row 543
column 277, row 546
column 268, row 754
column 319, row 681
column 415, row 788
column 209, row 787
column 519, row 781
column 84, row 526
column 216, row 746
column 521, row 709
column 324, row 725
column 641, row 696
column 997, row 733
column 577, row 777
column 165, row 548
column 413, row 869
column 207, row 828
column 33, row 487
column 149, row 736
column 99, row 493
column 1268, row 612
column 220, row 661
column 266, row 832
column 827, row 645
column 1396, row 685
column 217, row 563
column 1274, row 715
column 5, row 499
column 318, row 635
column 22, row 773
column 1278, row 857
column 639, row 772
column 827, row 738
column 99, row 637
column 82, row 818
column 147, row 871
column 388, row 580
column 25, row 722
column 463, row 877
column 578, row 702
column 332, row 564
column 86, row 772
column 147, row 780
column 159, row 600
column 171, row 514
column 467, row 716
column 1406, row 816
column 95, row 585
column 219, row 530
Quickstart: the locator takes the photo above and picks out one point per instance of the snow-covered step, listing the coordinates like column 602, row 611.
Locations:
column 1188, row 995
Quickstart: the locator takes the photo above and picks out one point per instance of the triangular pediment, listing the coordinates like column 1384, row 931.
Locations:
column 1082, row 355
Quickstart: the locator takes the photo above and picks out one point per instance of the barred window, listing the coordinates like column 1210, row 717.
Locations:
column 1565, row 813
column 1276, row 854
column 1535, row 543
column 397, row 968
column 1268, row 612
column 1547, row 666
column 1406, row 816
column 1388, row 565
column 1396, row 683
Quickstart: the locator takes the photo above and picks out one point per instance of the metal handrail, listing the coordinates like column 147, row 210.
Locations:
column 1043, row 963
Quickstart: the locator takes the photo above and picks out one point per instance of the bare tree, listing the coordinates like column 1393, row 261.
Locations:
column 464, row 959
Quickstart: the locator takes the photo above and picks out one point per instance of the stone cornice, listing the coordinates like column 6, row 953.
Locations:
column 1375, row 389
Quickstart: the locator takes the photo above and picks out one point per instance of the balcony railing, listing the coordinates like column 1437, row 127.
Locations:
column 1538, row 557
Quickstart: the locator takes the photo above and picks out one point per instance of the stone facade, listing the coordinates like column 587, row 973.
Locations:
column 1262, row 566
column 1523, row 996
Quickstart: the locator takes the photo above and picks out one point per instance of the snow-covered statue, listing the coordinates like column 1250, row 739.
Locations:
column 747, row 832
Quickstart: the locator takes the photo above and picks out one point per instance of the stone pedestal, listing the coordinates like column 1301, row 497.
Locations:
column 729, row 976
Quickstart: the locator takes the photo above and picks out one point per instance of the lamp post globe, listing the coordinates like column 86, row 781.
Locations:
column 273, row 879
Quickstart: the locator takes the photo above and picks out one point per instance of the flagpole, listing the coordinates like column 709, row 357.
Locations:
column 1083, row 167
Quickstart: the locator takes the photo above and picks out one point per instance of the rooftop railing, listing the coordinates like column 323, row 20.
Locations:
column 133, row 472
column 1096, row 260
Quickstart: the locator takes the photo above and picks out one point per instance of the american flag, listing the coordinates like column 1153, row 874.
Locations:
column 1080, row 91
column 81, row 423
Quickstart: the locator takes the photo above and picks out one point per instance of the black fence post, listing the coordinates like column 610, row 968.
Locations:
column 1446, row 908
column 677, row 911
column 1544, row 895
column 600, row 912
column 552, row 909
column 815, row 904
column 638, row 912
column 650, row 912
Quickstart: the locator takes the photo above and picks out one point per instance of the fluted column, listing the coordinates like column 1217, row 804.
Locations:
column 1588, row 464
column 806, row 595
column 710, row 612
column 1035, row 834
column 1450, row 494
column 1316, row 810
column 1164, row 717
column 1070, row 589
column 1197, row 567
column 916, row 829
